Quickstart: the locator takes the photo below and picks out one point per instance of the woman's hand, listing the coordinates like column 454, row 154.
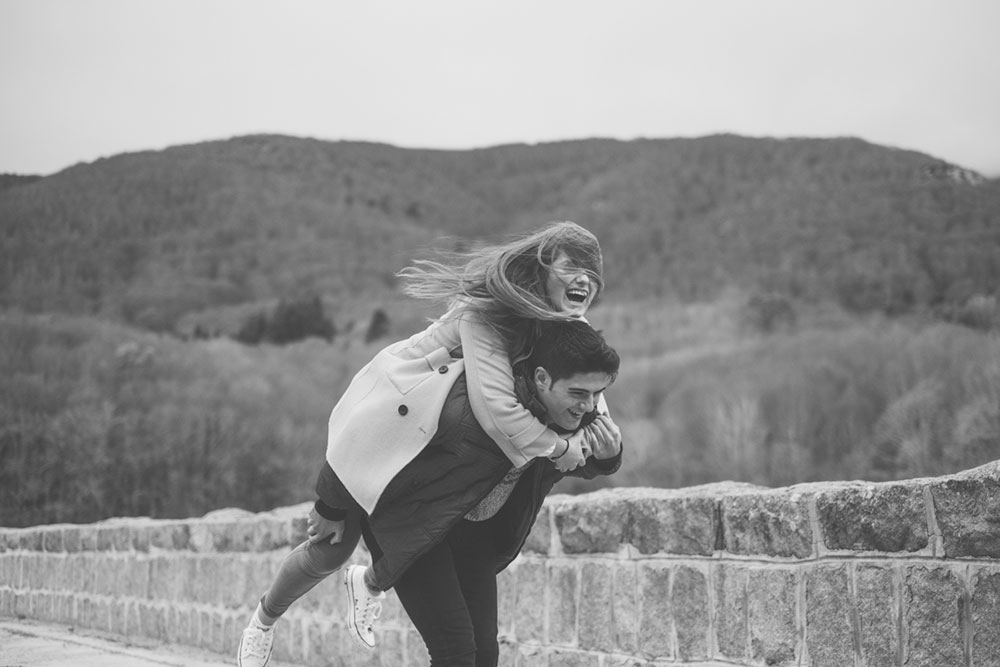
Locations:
column 604, row 438
column 573, row 457
column 320, row 528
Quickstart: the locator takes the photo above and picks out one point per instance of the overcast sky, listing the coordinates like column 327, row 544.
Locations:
column 83, row 79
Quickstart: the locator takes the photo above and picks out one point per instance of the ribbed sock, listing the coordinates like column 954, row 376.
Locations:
column 262, row 620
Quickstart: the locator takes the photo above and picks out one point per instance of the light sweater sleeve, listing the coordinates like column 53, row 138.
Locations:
column 491, row 395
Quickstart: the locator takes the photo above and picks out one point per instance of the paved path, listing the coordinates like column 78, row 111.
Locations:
column 33, row 644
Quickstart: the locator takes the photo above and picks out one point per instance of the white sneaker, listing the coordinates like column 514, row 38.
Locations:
column 363, row 607
column 255, row 646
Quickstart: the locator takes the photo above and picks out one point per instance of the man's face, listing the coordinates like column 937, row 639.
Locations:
column 568, row 399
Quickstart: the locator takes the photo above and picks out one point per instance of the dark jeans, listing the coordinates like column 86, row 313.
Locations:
column 450, row 594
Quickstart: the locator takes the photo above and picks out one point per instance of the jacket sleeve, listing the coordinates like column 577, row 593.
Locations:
column 492, row 398
column 594, row 467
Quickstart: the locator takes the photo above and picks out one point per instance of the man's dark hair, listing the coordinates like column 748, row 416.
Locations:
column 566, row 348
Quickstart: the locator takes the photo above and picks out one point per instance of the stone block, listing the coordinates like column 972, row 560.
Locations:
column 22, row 604
column 873, row 517
column 655, row 628
column 114, row 538
column 318, row 641
column 9, row 539
column 61, row 575
column 829, row 613
column 689, row 601
column 626, row 608
column 169, row 625
column 968, row 516
column 10, row 569
column 84, row 569
column 105, row 578
column 532, row 656
column 239, row 535
column 187, row 627
column 529, row 623
column 986, row 616
column 41, row 604
column 592, row 523
column 731, row 610
column 767, row 523
column 169, row 535
column 94, row 612
column 508, row 656
column 141, row 536
column 675, row 524
column 31, row 539
column 205, row 537
column 88, row 537
column 205, row 638
column 6, row 601
column 540, row 538
column 567, row 658
column 152, row 619
column 935, row 616
column 72, row 540
column 771, row 595
column 133, row 576
column 596, row 621
column 31, row 570
column 506, row 600
column 417, row 655
column 623, row 661
column 224, row 578
column 52, row 539
column 270, row 534
column 172, row 577
column 298, row 530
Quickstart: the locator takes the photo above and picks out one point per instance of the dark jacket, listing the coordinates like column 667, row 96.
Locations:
column 449, row 477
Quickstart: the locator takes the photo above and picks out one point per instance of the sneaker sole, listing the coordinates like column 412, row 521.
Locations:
column 352, row 619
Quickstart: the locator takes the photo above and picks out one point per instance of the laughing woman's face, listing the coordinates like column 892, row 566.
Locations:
column 568, row 286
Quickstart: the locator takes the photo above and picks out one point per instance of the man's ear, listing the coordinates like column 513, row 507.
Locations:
column 542, row 378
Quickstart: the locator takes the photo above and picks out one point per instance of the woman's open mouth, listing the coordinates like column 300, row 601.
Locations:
column 577, row 295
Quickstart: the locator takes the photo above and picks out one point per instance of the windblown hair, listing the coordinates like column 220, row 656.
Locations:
column 505, row 284
column 568, row 348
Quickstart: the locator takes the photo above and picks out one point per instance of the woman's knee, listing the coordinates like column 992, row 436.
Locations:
column 322, row 559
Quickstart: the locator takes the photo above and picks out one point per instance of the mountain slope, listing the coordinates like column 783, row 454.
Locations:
column 148, row 237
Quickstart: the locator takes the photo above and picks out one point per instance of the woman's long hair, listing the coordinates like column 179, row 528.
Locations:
column 506, row 284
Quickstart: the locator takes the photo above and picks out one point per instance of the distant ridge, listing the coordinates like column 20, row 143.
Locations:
column 13, row 180
column 152, row 236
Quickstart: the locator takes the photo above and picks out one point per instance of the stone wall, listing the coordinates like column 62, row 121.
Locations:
column 841, row 574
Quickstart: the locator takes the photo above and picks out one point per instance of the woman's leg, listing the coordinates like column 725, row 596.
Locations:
column 307, row 565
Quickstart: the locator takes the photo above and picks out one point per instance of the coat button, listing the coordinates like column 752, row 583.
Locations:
column 403, row 410
column 443, row 369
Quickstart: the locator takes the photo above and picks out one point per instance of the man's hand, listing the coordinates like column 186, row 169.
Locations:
column 604, row 438
column 323, row 529
column 574, row 456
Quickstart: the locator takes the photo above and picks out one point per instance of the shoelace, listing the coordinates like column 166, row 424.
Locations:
column 256, row 644
column 373, row 609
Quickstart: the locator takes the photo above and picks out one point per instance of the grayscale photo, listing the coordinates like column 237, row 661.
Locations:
column 632, row 333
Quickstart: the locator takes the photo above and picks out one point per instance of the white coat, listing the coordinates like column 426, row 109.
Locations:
column 390, row 410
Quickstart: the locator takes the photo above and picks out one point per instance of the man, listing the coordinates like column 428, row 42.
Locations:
column 459, row 513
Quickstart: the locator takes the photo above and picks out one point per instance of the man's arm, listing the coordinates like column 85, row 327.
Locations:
column 606, row 449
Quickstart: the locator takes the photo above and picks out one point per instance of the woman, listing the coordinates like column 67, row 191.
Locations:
column 390, row 411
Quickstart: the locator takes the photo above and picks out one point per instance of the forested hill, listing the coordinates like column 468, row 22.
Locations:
column 148, row 237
